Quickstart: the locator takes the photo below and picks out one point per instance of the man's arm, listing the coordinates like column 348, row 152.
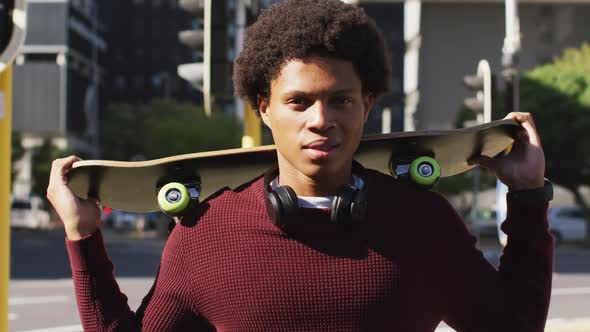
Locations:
column 103, row 307
column 514, row 298
column 517, row 297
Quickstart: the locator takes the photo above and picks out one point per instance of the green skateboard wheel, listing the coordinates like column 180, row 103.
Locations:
column 173, row 198
column 425, row 171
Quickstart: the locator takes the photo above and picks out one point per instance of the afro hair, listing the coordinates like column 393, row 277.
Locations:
column 297, row 29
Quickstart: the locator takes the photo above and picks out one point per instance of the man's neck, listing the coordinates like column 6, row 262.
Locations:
column 321, row 184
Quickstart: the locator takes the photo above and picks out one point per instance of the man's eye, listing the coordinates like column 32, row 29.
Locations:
column 298, row 101
column 342, row 100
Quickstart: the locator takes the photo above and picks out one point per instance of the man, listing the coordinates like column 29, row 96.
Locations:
column 320, row 243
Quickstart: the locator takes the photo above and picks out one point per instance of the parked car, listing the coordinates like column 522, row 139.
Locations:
column 124, row 220
column 29, row 212
column 567, row 224
column 155, row 219
column 484, row 223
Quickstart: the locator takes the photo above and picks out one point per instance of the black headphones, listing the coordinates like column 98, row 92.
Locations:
column 348, row 207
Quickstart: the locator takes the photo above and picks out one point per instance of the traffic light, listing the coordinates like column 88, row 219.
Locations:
column 12, row 29
column 208, row 38
column 483, row 85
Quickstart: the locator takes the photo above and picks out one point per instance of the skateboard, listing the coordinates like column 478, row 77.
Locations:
column 171, row 184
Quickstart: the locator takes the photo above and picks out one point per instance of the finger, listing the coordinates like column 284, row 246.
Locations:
column 485, row 162
column 527, row 122
column 57, row 175
column 60, row 166
column 521, row 117
column 68, row 163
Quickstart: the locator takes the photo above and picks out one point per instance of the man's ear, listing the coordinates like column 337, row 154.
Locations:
column 263, row 108
column 368, row 104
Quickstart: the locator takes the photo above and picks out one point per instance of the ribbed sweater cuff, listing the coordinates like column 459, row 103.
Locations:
column 526, row 216
column 88, row 253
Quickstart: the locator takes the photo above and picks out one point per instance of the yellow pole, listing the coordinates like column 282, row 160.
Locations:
column 5, row 163
column 252, row 128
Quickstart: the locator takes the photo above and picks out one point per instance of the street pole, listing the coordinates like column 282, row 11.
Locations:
column 5, row 167
column 510, row 53
column 9, row 46
column 95, row 81
column 483, row 109
column 413, row 42
column 252, row 125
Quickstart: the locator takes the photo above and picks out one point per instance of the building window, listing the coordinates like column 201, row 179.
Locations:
column 138, row 82
column 139, row 56
column 156, row 56
column 42, row 57
column 156, row 28
column 138, row 28
column 120, row 82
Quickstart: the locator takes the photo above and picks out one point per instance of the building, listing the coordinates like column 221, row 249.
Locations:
column 457, row 34
column 144, row 51
column 59, row 80
column 387, row 114
column 80, row 56
column 59, row 74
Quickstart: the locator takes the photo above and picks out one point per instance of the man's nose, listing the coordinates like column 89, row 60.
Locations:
column 319, row 116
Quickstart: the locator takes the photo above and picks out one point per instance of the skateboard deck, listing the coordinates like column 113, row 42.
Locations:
column 135, row 186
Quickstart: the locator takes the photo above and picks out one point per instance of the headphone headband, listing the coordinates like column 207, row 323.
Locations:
column 348, row 206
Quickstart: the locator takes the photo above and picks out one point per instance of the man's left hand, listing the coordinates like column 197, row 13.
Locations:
column 524, row 167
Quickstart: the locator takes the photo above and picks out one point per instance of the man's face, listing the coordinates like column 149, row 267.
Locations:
column 316, row 112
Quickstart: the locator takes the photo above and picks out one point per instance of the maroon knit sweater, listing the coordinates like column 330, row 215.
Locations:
column 409, row 266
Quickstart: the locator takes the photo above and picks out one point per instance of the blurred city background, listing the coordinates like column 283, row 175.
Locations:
column 142, row 79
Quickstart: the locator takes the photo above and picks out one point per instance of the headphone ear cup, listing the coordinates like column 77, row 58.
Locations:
column 341, row 205
column 288, row 202
column 276, row 211
column 358, row 209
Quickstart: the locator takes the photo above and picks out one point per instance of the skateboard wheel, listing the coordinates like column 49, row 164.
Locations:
column 173, row 198
column 425, row 171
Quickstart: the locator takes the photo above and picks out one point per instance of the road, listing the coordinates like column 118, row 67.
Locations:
column 42, row 296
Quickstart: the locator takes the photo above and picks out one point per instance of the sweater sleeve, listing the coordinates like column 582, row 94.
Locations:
column 103, row 307
column 516, row 296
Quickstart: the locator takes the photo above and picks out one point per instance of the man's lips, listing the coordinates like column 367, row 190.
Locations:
column 321, row 146
column 320, row 150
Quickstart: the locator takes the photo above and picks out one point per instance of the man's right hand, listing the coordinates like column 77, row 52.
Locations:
column 80, row 217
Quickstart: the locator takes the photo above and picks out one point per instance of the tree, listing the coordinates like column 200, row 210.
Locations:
column 172, row 128
column 164, row 128
column 120, row 132
column 558, row 96
column 42, row 158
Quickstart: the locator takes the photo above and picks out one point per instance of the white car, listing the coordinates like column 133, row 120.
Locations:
column 28, row 213
column 123, row 220
column 567, row 224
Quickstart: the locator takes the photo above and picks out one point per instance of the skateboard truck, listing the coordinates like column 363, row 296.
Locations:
column 175, row 197
column 424, row 171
